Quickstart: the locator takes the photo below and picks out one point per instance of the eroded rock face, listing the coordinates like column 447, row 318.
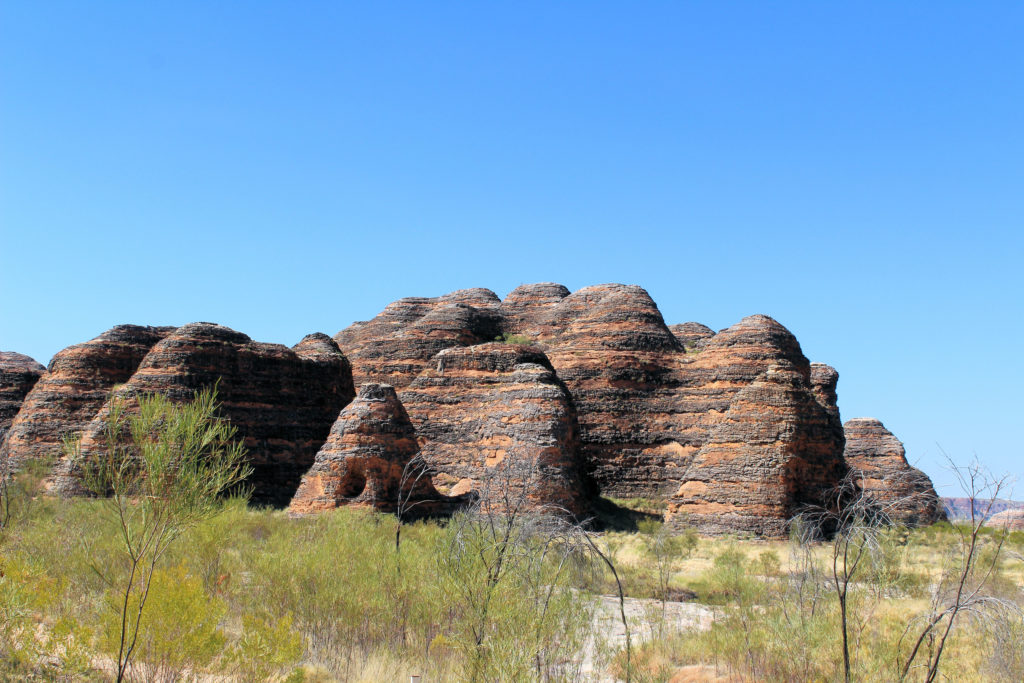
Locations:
column 18, row 374
column 646, row 396
column 879, row 463
column 774, row 451
column 498, row 404
column 824, row 379
column 77, row 384
column 282, row 401
column 363, row 462
column 396, row 345
column 690, row 335
column 1011, row 520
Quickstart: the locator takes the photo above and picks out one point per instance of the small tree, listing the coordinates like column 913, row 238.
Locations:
column 667, row 550
column 160, row 469
column 855, row 520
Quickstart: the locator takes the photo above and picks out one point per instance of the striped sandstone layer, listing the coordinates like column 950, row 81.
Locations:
column 365, row 462
column 282, row 401
column 774, row 451
column 1011, row 520
column 879, row 463
column 77, row 384
column 397, row 344
column 18, row 374
column 498, row 410
column 646, row 396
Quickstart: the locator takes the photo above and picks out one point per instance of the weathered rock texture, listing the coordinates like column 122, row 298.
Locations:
column 774, row 451
column 647, row 397
column 611, row 347
column 824, row 379
column 690, row 335
column 1012, row 520
column 78, row 382
column 365, row 459
column 282, row 401
column 396, row 345
column 879, row 463
column 496, row 414
column 18, row 374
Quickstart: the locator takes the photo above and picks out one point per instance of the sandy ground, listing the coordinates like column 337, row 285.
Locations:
column 643, row 616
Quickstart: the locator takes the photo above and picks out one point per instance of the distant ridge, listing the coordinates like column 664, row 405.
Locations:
column 959, row 509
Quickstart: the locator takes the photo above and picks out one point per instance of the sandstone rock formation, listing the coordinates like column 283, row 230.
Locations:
column 499, row 410
column 365, row 459
column 393, row 347
column 824, row 379
column 735, row 429
column 774, row 451
column 282, row 401
column 646, row 396
column 1011, row 520
column 879, row 463
column 75, row 387
column 690, row 335
column 18, row 374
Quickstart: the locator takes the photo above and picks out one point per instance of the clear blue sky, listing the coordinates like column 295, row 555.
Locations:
column 855, row 171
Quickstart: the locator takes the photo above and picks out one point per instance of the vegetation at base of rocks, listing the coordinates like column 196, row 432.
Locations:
column 507, row 338
column 158, row 473
column 253, row 595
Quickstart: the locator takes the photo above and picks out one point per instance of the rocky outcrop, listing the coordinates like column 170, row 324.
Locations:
column 960, row 509
column 366, row 461
column 495, row 415
column 18, row 374
column 75, row 387
column 282, row 401
column 611, row 347
column 691, row 335
column 774, row 451
column 1011, row 520
column 878, row 461
column 646, row 396
column 396, row 345
column 527, row 308
column 824, row 379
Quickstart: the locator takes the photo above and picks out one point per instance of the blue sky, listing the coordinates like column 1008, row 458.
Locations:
column 854, row 171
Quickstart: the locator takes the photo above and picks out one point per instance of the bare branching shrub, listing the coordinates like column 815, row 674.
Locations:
column 509, row 569
column 964, row 586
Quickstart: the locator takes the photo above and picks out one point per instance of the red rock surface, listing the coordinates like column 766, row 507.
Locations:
column 645, row 402
column 77, row 384
column 774, row 451
column 492, row 404
column 18, row 374
column 396, row 345
column 879, row 462
column 282, row 401
column 1012, row 520
column 363, row 462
